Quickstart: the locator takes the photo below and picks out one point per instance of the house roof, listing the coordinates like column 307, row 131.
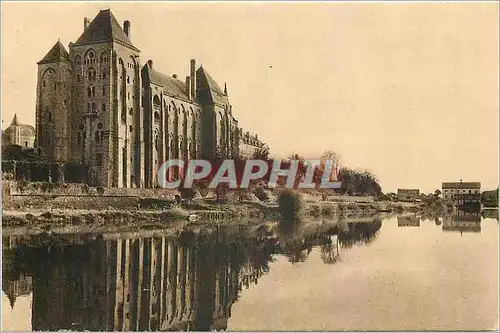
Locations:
column 104, row 28
column 56, row 53
column 461, row 185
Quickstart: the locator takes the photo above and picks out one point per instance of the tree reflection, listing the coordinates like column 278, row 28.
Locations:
column 330, row 250
column 359, row 233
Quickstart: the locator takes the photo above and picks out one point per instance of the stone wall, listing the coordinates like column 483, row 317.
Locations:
column 17, row 195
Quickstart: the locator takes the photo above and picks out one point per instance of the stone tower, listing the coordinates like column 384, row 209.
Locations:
column 107, row 113
column 54, row 104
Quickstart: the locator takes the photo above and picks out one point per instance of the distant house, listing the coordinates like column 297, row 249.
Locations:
column 249, row 144
column 408, row 194
column 18, row 135
column 462, row 193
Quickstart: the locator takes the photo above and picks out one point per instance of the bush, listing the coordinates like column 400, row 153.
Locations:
column 100, row 190
column 290, row 204
column 85, row 189
column 315, row 210
column 261, row 194
column 176, row 213
column 327, row 210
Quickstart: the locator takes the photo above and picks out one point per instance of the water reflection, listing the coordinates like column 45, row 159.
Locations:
column 463, row 221
column 117, row 282
column 408, row 221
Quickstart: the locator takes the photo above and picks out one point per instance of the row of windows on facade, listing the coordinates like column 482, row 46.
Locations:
column 98, row 138
column 157, row 106
column 91, row 59
column 463, row 191
column 91, row 107
column 92, row 75
column 182, row 144
column 91, row 91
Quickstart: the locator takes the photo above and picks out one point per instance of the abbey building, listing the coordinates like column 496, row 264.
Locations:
column 97, row 105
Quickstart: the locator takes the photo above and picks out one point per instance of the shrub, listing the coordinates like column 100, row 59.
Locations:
column 291, row 204
column 85, row 188
column 261, row 194
column 187, row 193
column 176, row 213
column 100, row 190
column 327, row 210
column 315, row 210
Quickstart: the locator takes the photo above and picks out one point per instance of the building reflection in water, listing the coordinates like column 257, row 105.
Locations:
column 408, row 221
column 463, row 221
column 124, row 283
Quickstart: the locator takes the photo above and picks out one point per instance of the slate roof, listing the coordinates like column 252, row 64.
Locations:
column 104, row 28
column 462, row 185
column 57, row 53
column 217, row 94
column 173, row 86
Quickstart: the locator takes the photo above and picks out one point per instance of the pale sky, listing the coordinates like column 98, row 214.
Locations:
column 408, row 91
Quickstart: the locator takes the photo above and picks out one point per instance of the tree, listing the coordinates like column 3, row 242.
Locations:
column 437, row 193
column 490, row 198
column 261, row 154
column 330, row 155
column 295, row 157
column 359, row 182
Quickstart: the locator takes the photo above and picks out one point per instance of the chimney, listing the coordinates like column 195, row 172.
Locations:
column 174, row 76
column 85, row 23
column 150, row 64
column 188, row 87
column 193, row 79
column 126, row 28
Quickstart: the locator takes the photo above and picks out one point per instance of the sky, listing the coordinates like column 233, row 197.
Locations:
column 408, row 91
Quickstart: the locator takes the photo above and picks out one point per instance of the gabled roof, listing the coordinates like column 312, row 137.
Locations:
column 210, row 81
column 104, row 28
column 171, row 85
column 57, row 53
column 205, row 81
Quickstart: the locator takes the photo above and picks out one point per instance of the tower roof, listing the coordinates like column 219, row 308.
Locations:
column 104, row 28
column 215, row 93
column 210, row 81
column 57, row 53
column 14, row 121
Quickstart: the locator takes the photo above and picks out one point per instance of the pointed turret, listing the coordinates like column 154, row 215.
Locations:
column 225, row 88
column 14, row 121
column 57, row 53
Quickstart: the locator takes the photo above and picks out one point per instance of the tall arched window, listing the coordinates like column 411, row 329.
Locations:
column 91, row 74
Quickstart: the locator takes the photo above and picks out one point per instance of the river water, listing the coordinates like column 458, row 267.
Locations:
column 398, row 273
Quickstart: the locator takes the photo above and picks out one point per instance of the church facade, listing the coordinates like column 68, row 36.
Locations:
column 99, row 106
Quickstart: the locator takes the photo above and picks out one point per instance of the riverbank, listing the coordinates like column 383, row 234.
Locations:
column 36, row 220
